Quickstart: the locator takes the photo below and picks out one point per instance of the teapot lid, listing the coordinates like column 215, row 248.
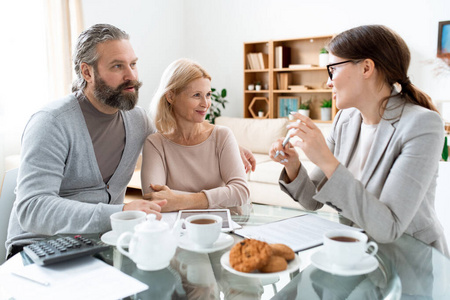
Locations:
column 152, row 224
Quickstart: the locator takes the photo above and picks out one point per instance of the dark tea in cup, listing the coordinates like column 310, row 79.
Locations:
column 344, row 239
column 203, row 221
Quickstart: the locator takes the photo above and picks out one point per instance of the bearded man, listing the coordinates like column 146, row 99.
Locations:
column 79, row 153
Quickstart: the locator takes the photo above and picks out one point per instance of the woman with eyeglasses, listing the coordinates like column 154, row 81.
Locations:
column 378, row 167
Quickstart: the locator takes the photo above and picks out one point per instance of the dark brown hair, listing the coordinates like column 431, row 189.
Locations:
column 389, row 53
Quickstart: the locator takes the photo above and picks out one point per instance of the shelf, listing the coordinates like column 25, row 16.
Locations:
column 314, row 91
column 255, row 92
column 301, row 69
column 256, row 71
column 303, row 51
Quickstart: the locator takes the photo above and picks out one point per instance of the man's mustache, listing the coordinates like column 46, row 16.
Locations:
column 128, row 84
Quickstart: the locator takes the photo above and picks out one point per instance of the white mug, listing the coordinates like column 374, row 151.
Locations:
column 345, row 248
column 124, row 221
column 203, row 230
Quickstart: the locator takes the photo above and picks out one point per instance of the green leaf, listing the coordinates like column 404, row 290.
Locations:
column 224, row 93
column 445, row 150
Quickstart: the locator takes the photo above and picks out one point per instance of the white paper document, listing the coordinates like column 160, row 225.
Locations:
column 299, row 233
column 82, row 278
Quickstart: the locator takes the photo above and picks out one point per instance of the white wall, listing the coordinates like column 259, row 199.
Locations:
column 156, row 31
column 230, row 23
column 213, row 32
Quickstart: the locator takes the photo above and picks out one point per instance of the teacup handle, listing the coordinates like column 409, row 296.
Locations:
column 374, row 247
column 119, row 243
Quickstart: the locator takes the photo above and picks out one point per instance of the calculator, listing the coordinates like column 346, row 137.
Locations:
column 57, row 249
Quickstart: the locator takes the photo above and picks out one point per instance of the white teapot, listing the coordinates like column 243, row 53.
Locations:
column 152, row 244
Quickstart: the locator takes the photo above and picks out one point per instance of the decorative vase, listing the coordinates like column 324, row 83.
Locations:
column 260, row 114
column 251, row 87
column 258, row 87
column 323, row 59
column 304, row 112
column 325, row 113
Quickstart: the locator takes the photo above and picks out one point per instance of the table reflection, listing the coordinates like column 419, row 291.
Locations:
column 408, row 269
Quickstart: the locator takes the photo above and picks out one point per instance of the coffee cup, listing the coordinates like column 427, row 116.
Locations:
column 125, row 221
column 345, row 248
column 203, row 230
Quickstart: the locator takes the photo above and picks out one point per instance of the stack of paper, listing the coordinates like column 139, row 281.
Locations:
column 82, row 278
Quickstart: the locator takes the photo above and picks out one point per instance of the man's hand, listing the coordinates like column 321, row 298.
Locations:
column 248, row 159
column 149, row 207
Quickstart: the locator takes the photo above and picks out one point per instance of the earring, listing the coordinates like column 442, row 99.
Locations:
column 397, row 87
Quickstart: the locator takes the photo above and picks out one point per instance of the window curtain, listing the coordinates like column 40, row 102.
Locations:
column 64, row 22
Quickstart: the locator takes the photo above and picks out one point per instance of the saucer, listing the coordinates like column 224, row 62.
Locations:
column 292, row 266
column 222, row 242
column 368, row 264
column 111, row 238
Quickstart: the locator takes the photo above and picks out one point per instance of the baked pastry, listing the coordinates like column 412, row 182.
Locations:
column 275, row 264
column 282, row 250
column 250, row 255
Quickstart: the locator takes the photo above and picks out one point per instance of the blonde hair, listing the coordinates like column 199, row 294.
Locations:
column 174, row 79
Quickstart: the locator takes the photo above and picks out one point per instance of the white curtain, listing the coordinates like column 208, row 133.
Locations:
column 64, row 24
column 37, row 58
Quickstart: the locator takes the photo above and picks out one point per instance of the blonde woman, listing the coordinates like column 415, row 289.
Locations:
column 190, row 162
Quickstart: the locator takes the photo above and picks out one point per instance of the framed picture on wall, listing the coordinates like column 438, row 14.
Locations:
column 444, row 39
column 286, row 105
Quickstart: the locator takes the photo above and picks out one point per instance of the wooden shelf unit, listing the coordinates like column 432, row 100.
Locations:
column 302, row 51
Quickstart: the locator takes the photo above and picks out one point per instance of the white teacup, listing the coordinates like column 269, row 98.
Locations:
column 203, row 230
column 124, row 221
column 345, row 248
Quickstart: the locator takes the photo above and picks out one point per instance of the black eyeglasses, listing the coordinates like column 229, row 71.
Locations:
column 330, row 68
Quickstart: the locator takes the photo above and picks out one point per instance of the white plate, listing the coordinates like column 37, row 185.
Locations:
column 111, row 238
column 293, row 265
column 367, row 265
column 222, row 242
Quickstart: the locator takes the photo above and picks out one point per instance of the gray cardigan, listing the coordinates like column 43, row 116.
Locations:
column 396, row 192
column 60, row 188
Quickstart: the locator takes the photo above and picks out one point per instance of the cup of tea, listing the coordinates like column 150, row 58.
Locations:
column 124, row 221
column 345, row 248
column 203, row 230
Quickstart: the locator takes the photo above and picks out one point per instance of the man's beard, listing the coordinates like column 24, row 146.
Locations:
column 116, row 97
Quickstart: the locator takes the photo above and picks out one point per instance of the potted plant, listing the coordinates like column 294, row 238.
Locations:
column 325, row 109
column 260, row 113
column 217, row 100
column 304, row 108
column 323, row 57
column 258, row 85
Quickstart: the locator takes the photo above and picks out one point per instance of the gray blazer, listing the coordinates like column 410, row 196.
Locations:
column 397, row 189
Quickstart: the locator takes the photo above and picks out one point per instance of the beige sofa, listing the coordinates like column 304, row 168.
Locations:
column 258, row 135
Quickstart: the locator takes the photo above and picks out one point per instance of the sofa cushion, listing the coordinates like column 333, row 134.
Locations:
column 267, row 172
column 255, row 134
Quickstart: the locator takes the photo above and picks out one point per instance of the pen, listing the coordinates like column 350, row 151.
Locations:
column 285, row 141
column 44, row 283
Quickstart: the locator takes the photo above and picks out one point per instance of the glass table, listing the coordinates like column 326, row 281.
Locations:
column 408, row 269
